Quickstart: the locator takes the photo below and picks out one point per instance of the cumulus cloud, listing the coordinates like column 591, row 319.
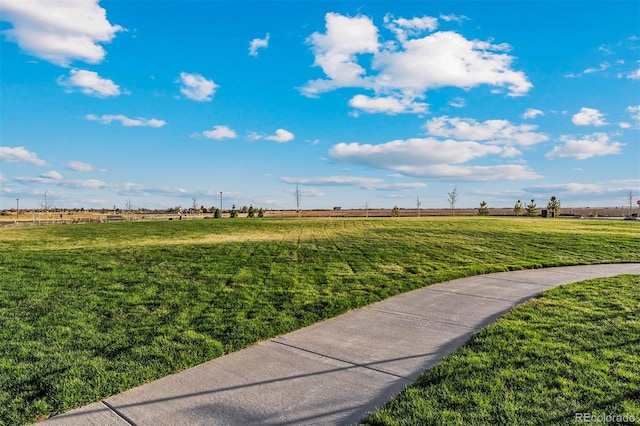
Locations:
column 258, row 43
column 532, row 113
column 220, row 132
column 281, row 136
column 335, row 52
column 126, row 121
column 387, row 104
column 588, row 117
column 196, row 87
column 595, row 145
column 409, row 66
column 79, row 166
column 500, row 132
column 19, row 154
column 53, row 175
column 59, row 31
column 429, row 157
column 89, row 83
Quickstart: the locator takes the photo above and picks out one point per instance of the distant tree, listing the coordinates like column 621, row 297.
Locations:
column 630, row 198
column 395, row 211
column 532, row 209
column 234, row 212
column 251, row 212
column 217, row 214
column 244, row 209
column 297, row 194
column 418, row 204
column 483, row 210
column 260, row 212
column 517, row 209
column 453, row 196
column 194, row 204
column 553, row 206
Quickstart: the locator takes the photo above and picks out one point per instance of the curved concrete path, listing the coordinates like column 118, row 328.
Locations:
column 336, row 371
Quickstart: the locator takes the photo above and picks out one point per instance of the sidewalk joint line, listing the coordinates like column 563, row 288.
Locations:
column 118, row 413
column 342, row 360
column 471, row 295
column 427, row 319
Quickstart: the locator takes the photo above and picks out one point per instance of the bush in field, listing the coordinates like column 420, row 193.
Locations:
column 260, row 212
column 483, row 210
column 553, row 206
column 395, row 211
column 251, row 212
column 233, row 212
column 217, row 214
column 517, row 209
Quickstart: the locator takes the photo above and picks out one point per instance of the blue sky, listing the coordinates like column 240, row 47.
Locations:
column 358, row 103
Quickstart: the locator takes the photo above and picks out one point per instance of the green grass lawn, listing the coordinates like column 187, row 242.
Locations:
column 570, row 353
column 87, row 311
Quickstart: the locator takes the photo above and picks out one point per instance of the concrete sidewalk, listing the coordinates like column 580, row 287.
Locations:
column 336, row 371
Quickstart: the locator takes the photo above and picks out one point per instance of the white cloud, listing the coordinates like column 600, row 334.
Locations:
column 388, row 105
column 532, row 113
column 595, row 145
column 220, row 132
column 588, row 117
column 457, row 102
column 335, row 52
column 334, row 181
column 59, row 31
column 281, row 136
column 19, row 155
column 432, row 158
column 624, row 125
column 361, row 182
column 495, row 131
column 126, row 121
column 53, row 175
column 455, row 18
column 258, row 43
column 634, row 111
column 78, row 166
column 635, row 75
column 407, row 68
column 89, row 83
column 404, row 28
column 603, row 66
column 196, row 87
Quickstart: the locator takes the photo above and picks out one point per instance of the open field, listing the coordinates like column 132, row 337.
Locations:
column 573, row 350
column 89, row 310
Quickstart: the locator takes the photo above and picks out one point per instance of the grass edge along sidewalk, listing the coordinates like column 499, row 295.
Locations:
column 568, row 356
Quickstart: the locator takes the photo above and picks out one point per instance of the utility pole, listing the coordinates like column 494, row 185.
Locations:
column 298, row 199
column 17, row 209
column 220, row 203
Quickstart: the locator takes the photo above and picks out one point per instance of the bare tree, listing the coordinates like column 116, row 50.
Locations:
column 418, row 204
column 297, row 194
column 127, row 205
column 46, row 205
column 630, row 198
column 366, row 209
column 453, row 196
column 194, row 205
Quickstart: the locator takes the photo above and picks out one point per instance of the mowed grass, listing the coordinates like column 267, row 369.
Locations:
column 573, row 350
column 87, row 311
